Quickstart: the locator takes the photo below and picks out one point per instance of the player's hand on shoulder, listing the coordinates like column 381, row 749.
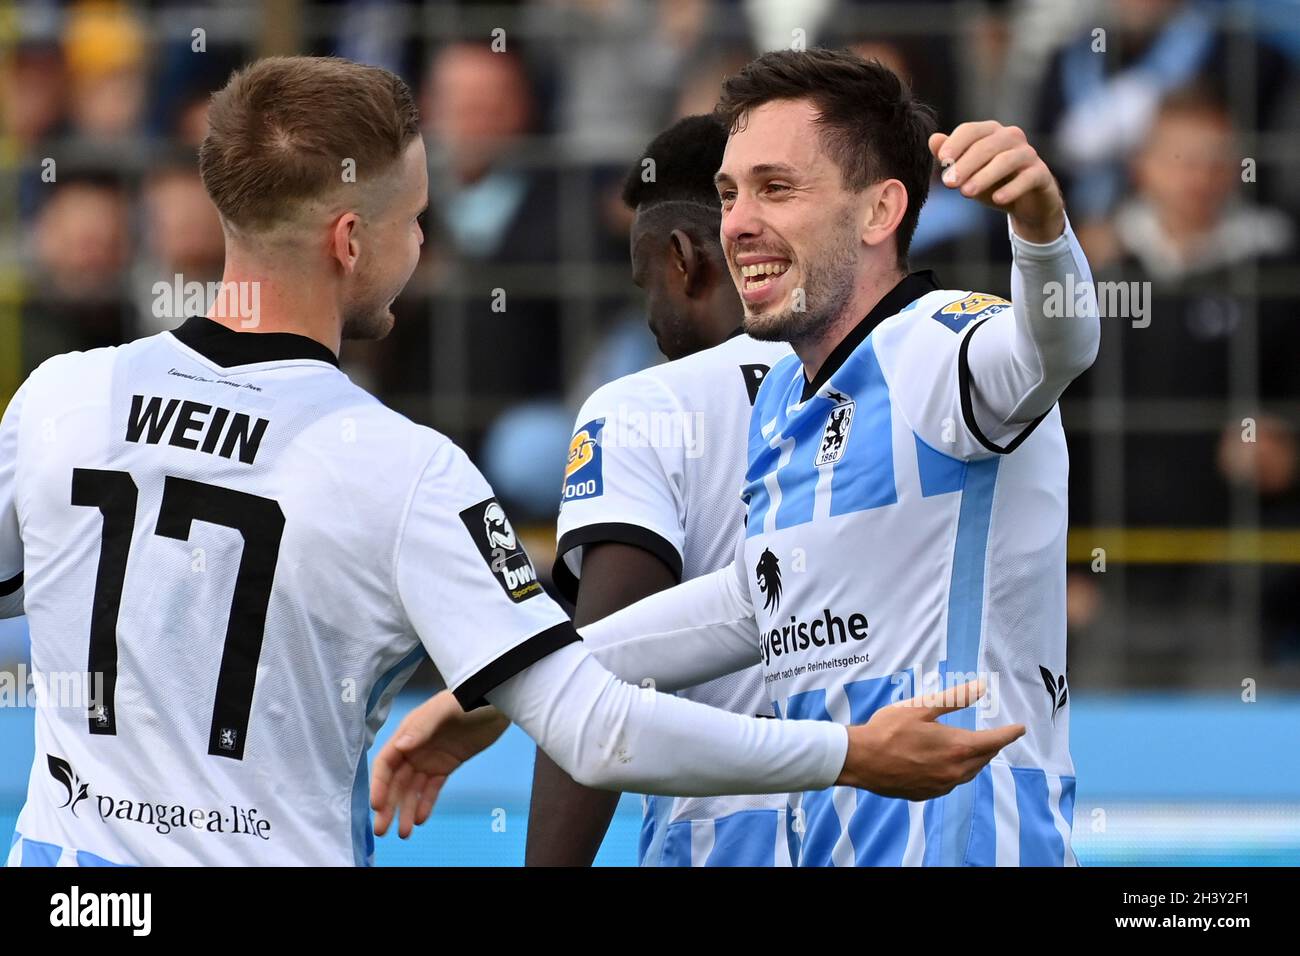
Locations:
column 903, row 751
column 430, row 743
column 996, row 165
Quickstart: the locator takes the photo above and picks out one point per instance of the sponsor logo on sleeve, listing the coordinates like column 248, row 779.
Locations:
column 582, row 471
column 957, row 315
column 505, row 556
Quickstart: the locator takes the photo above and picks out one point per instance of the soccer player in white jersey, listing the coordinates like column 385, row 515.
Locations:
column 652, row 497
column 906, row 485
column 238, row 556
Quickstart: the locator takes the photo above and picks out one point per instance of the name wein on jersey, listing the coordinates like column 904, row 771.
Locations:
column 196, row 426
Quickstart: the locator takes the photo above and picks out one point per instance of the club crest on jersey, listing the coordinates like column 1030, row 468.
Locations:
column 957, row 315
column 582, row 471
column 496, row 540
column 836, row 435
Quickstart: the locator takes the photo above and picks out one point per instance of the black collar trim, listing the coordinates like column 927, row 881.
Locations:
column 909, row 289
column 229, row 348
column 738, row 331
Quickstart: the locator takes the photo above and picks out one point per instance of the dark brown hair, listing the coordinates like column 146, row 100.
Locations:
column 871, row 126
column 281, row 128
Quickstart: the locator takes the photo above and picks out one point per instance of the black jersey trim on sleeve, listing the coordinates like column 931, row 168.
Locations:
column 13, row 584
column 616, row 532
column 473, row 690
column 968, row 405
column 230, row 349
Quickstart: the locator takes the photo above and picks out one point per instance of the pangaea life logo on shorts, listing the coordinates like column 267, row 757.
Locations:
column 582, row 477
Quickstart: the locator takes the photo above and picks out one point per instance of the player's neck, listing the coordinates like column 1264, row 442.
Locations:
column 870, row 290
column 262, row 300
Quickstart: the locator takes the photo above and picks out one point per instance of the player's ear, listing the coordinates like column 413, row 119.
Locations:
column 345, row 243
column 886, row 203
column 688, row 265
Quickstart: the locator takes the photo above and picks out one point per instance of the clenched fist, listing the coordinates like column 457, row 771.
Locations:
column 996, row 165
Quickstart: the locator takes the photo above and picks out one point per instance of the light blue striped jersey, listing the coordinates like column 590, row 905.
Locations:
column 889, row 551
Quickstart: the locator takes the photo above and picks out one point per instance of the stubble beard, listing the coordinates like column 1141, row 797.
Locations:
column 829, row 281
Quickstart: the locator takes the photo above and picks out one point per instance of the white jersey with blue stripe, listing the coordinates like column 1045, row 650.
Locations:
column 894, row 547
column 657, row 460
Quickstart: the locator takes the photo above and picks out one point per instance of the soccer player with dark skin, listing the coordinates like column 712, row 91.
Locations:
column 691, row 305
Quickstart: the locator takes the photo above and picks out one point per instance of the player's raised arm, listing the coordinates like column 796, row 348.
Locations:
column 1019, row 364
column 11, row 545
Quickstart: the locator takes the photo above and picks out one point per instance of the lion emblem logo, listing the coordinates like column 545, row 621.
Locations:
column 768, row 573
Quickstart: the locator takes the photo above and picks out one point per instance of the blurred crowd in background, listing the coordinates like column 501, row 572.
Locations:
column 1172, row 125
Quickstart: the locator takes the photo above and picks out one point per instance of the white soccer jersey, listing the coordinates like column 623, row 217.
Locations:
column 657, row 460
column 890, row 551
column 251, row 555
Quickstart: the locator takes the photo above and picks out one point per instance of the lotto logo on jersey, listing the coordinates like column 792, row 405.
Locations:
column 957, row 315
column 582, row 470
column 497, row 542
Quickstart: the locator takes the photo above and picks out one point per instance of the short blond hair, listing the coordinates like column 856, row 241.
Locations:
column 280, row 131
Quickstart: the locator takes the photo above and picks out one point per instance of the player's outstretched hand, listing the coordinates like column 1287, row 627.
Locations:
column 996, row 165
column 433, row 740
column 903, row 751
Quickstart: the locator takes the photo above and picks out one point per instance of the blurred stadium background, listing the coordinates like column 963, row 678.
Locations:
column 1173, row 126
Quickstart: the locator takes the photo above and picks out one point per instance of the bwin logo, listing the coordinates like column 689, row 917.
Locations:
column 768, row 574
column 500, row 533
column 514, row 577
column 62, row 771
column 1056, row 689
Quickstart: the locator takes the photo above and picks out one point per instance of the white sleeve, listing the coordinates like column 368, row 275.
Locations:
column 692, row 633
column 606, row 733
column 623, row 477
column 1020, row 363
column 11, row 545
column 976, row 375
column 466, row 584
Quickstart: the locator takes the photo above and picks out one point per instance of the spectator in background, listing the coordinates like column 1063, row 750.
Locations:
column 32, row 89
column 1187, row 217
column 618, row 67
column 104, row 46
column 80, row 250
column 1269, row 466
column 1102, row 90
column 477, row 108
column 182, row 236
column 1188, row 230
column 493, row 224
column 1215, row 275
column 1183, row 238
